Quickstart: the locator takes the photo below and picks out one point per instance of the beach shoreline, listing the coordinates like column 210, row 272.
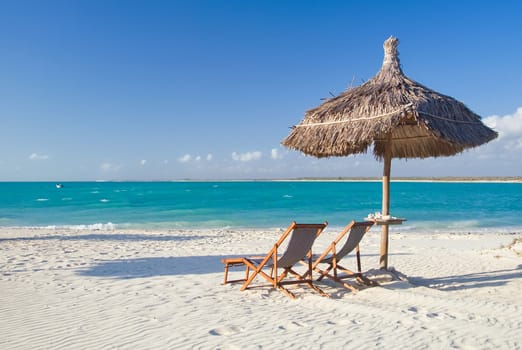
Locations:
column 84, row 289
column 449, row 179
column 443, row 179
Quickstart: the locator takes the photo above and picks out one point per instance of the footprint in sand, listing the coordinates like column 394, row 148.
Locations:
column 412, row 310
column 225, row 330
column 291, row 326
column 349, row 322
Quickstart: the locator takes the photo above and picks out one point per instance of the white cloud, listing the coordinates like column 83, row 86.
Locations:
column 36, row 156
column 109, row 167
column 508, row 125
column 185, row 159
column 246, row 157
column 188, row 158
column 143, row 162
column 274, row 154
column 509, row 128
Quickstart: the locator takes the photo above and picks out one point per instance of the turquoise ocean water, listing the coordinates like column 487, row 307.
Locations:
column 428, row 206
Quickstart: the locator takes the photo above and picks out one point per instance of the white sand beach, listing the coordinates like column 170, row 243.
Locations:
column 85, row 289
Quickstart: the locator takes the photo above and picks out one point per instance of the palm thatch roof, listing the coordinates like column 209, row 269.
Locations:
column 422, row 122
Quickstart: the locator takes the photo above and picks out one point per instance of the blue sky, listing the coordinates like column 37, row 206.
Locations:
column 160, row 90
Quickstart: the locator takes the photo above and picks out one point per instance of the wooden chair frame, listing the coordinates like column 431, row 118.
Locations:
column 331, row 257
column 255, row 265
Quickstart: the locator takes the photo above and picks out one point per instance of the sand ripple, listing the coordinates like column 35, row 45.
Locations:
column 67, row 289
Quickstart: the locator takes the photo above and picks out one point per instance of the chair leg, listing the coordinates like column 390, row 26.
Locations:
column 247, row 272
column 318, row 290
column 348, row 286
column 257, row 271
column 308, row 281
column 335, row 276
column 358, row 254
column 232, row 263
column 366, row 281
column 323, row 273
column 340, row 281
column 286, row 291
column 247, row 282
column 226, row 274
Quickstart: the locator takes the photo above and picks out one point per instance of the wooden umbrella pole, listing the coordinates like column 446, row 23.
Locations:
column 386, row 201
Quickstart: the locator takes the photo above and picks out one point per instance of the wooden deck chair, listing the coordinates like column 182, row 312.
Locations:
column 332, row 255
column 300, row 240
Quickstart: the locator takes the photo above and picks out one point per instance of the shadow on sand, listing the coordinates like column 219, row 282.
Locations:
column 468, row 281
column 155, row 266
column 160, row 266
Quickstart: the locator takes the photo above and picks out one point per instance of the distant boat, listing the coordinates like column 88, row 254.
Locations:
column 59, row 185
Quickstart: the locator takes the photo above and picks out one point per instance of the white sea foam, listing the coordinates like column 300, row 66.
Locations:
column 109, row 226
column 98, row 226
column 42, row 199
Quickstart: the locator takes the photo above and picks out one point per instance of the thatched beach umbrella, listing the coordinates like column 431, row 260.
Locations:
column 399, row 117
